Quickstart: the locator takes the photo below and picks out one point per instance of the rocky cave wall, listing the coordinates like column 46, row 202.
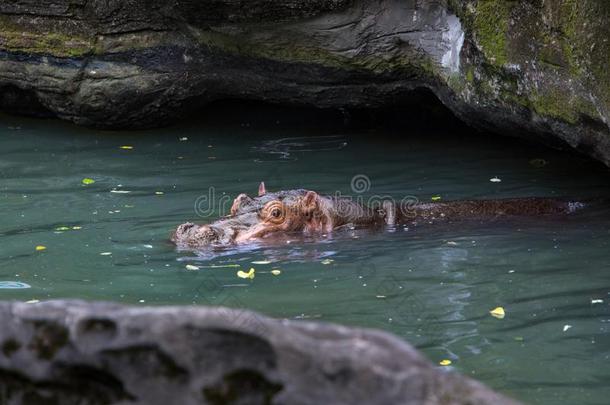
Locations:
column 536, row 69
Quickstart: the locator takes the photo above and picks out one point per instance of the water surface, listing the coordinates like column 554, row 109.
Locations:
column 434, row 287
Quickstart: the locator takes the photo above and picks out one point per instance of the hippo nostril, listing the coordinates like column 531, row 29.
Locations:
column 184, row 228
column 209, row 232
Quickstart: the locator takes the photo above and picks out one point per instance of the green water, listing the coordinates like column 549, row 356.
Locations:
column 434, row 287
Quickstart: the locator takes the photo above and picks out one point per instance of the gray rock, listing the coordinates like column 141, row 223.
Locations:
column 73, row 352
column 531, row 69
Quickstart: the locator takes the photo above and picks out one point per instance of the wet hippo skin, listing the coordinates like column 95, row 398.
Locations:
column 282, row 212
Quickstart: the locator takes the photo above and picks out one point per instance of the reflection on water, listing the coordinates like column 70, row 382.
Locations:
column 289, row 148
column 432, row 286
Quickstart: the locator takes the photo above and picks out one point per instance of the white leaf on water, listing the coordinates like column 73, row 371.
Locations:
column 597, row 301
column 566, row 327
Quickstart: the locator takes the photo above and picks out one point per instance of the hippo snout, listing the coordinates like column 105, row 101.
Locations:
column 192, row 235
column 180, row 233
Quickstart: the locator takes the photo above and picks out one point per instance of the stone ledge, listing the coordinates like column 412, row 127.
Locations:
column 72, row 352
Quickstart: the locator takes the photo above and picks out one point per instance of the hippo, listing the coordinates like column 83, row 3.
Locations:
column 307, row 212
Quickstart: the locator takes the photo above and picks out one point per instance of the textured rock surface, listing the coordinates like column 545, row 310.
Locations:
column 72, row 352
column 535, row 69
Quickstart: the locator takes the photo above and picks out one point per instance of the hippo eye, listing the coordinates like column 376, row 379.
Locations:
column 274, row 212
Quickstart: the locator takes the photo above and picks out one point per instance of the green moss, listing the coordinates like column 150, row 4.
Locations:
column 562, row 105
column 491, row 23
column 569, row 25
column 16, row 38
column 470, row 75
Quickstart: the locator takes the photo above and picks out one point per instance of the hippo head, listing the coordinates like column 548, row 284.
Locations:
column 253, row 219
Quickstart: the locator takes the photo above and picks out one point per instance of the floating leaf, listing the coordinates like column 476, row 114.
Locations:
column 452, row 243
column 32, row 302
column 183, row 139
column 261, row 262
column 498, row 312
column 445, row 362
column 159, row 192
column 276, row 272
column 249, row 274
column 327, row 261
column 120, row 191
column 538, row 162
column 566, row 327
column 495, row 180
column 62, row 228
column 220, row 266
column 77, row 228
column 11, row 285
column 436, row 198
column 40, row 248
column 105, row 253
column 127, row 147
column 86, row 181
column 519, row 338
column 597, row 301
column 191, row 267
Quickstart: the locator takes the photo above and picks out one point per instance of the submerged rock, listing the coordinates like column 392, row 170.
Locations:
column 73, row 352
column 535, row 69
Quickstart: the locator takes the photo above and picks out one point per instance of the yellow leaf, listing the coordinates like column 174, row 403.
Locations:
column 87, row 181
column 498, row 312
column 445, row 362
column 40, row 248
column 436, row 198
column 127, row 147
column 276, row 272
column 249, row 274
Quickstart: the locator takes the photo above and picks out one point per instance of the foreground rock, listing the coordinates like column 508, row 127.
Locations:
column 532, row 69
column 72, row 352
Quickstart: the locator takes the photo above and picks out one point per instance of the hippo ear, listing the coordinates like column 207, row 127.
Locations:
column 311, row 200
column 261, row 189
